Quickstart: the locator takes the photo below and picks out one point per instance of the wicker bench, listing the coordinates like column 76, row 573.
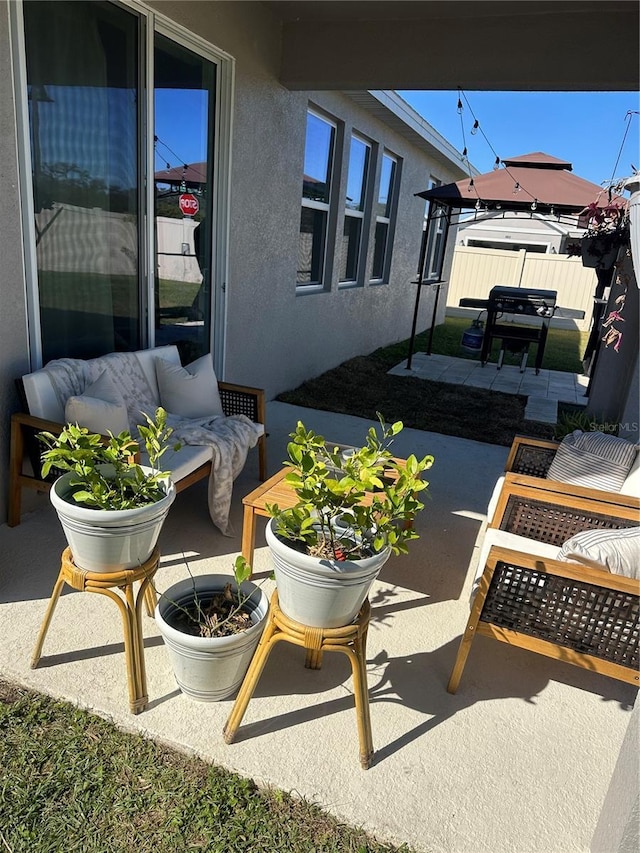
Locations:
column 568, row 611
column 42, row 411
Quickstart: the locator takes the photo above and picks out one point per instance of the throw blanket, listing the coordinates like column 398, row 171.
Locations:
column 230, row 438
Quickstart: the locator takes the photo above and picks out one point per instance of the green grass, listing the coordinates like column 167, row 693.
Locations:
column 362, row 387
column 71, row 782
column 563, row 350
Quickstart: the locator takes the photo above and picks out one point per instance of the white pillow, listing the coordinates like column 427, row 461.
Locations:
column 191, row 391
column 617, row 551
column 100, row 408
column 593, row 459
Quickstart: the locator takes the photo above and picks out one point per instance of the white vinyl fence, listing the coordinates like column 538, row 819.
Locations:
column 475, row 271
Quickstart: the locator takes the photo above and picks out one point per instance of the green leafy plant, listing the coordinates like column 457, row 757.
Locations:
column 107, row 474
column 351, row 503
column 225, row 613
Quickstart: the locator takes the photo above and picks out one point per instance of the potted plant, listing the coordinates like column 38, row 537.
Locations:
column 211, row 627
column 354, row 508
column 606, row 228
column 111, row 508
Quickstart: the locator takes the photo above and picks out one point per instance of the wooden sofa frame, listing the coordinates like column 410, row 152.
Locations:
column 235, row 399
column 567, row 611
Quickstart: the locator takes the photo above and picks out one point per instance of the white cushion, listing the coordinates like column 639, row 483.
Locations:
column 617, row 551
column 593, row 459
column 191, row 391
column 631, row 485
column 493, row 502
column 181, row 462
column 100, row 409
column 504, row 539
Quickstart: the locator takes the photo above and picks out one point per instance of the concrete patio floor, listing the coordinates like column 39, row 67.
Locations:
column 518, row 761
column 544, row 390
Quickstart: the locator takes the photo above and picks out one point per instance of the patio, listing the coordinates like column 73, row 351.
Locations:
column 519, row 759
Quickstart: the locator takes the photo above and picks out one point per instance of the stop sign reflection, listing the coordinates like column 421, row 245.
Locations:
column 189, row 204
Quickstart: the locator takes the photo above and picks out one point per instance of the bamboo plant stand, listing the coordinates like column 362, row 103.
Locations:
column 351, row 640
column 130, row 606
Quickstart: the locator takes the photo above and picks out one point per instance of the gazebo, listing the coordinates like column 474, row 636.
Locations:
column 536, row 183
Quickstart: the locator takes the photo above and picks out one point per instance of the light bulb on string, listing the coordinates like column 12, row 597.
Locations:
column 552, row 211
column 516, row 188
column 475, row 127
column 471, row 184
column 460, row 107
column 496, row 164
column 464, row 152
column 478, row 205
column 534, row 204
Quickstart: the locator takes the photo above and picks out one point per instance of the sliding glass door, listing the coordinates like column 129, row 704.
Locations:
column 106, row 85
column 184, row 101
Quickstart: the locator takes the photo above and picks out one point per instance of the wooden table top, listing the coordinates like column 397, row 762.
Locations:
column 276, row 491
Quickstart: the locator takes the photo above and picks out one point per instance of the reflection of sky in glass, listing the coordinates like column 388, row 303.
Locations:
column 92, row 128
column 358, row 161
column 386, row 173
column 181, row 125
column 317, row 149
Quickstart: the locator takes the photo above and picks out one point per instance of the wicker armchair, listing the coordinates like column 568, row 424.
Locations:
column 568, row 611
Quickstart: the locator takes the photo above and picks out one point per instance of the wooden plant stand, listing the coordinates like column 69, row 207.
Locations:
column 351, row 640
column 130, row 607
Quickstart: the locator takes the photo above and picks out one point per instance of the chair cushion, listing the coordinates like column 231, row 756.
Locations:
column 100, row 408
column 191, row 391
column 593, row 459
column 631, row 485
column 617, row 551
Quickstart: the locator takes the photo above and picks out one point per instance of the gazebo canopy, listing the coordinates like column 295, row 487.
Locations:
column 536, row 179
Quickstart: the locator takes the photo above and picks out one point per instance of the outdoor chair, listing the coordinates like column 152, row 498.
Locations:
column 539, row 588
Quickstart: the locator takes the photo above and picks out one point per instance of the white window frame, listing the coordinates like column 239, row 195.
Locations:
column 225, row 82
column 436, row 239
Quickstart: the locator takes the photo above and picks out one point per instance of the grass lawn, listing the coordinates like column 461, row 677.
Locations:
column 71, row 782
column 362, row 386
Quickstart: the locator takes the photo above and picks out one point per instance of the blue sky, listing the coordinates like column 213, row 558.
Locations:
column 584, row 128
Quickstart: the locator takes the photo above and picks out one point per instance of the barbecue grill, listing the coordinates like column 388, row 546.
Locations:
column 520, row 301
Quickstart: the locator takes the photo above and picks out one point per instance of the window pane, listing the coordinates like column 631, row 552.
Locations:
column 350, row 248
column 311, row 249
column 184, row 115
column 356, row 180
column 82, row 79
column 385, row 193
column 317, row 159
column 379, row 250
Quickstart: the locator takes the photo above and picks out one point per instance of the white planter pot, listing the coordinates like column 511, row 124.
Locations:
column 318, row 592
column 209, row 668
column 109, row 540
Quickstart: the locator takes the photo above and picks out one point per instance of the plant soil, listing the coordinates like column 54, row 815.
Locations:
column 212, row 617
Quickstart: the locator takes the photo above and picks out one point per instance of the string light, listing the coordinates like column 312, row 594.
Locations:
column 534, row 204
column 516, row 188
column 460, row 107
column 496, row 165
column 464, row 152
column 475, row 128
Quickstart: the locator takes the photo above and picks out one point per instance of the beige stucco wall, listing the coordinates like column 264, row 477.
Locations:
column 276, row 338
column 13, row 323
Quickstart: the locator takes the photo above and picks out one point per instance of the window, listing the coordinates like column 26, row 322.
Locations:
column 437, row 225
column 383, row 235
column 105, row 273
column 316, row 196
column 357, row 180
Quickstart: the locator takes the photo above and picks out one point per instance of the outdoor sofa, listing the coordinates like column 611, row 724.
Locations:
column 558, row 573
column 46, row 397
